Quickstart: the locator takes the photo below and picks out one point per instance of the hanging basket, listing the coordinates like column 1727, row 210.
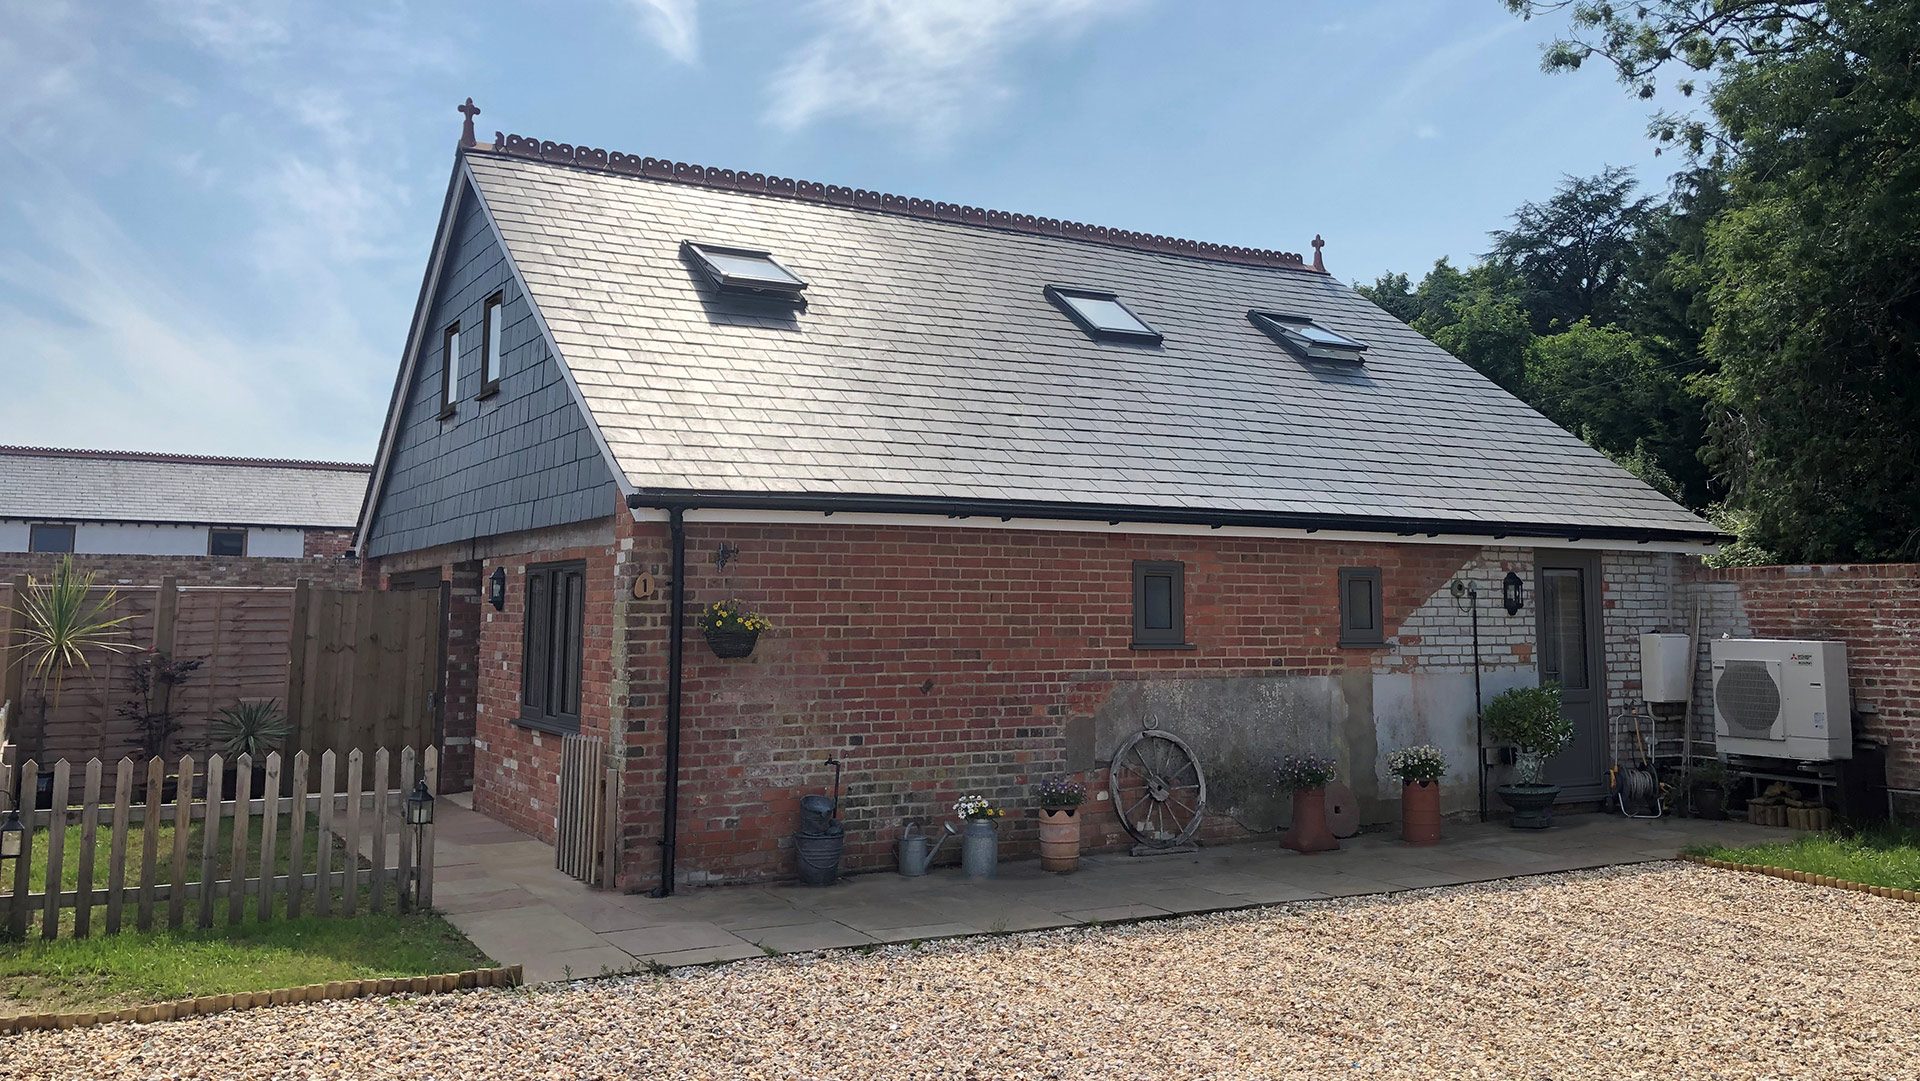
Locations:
column 732, row 643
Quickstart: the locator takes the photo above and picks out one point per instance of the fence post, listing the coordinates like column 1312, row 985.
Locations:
column 150, row 841
column 381, row 775
column 182, row 826
column 296, row 695
column 403, row 863
column 56, row 845
column 210, row 835
column 117, row 844
column 13, row 676
column 431, row 769
column 29, row 789
column 242, row 818
column 297, row 844
column 89, row 832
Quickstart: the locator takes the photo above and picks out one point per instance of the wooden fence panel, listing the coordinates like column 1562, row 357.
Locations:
column 361, row 669
column 146, row 802
column 583, row 816
column 243, row 636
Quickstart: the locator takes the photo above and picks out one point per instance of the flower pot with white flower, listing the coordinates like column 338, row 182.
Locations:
column 1307, row 777
column 1530, row 719
column 980, row 842
column 1419, row 769
column 732, row 629
column 1060, row 800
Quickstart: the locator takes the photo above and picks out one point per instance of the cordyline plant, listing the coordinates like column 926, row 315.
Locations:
column 62, row 621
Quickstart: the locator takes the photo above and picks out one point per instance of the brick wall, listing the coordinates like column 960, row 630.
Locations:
column 327, row 543
column 323, row 569
column 1874, row 609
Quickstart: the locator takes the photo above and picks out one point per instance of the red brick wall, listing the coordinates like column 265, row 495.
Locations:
column 939, row 661
column 324, row 570
column 327, row 543
column 516, row 769
column 1875, row 610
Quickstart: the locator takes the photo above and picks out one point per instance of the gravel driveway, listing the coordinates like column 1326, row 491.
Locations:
column 1668, row 970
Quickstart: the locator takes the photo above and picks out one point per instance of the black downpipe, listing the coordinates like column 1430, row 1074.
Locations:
column 676, row 645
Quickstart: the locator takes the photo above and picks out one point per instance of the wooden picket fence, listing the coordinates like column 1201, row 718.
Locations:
column 311, row 862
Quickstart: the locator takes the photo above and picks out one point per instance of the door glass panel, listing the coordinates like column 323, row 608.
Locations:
column 1563, row 609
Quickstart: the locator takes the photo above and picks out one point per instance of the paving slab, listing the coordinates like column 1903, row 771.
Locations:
column 707, row 955
column 822, row 935
column 672, row 938
column 576, row 964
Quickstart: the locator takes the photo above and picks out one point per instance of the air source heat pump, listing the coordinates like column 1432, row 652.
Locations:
column 1779, row 699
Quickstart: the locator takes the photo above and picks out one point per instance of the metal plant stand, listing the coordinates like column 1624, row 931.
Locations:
column 1158, row 791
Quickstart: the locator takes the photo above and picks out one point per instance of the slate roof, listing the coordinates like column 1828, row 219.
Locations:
column 129, row 486
column 928, row 363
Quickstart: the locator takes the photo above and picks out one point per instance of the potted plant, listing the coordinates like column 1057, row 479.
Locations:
column 256, row 729
column 1419, row 769
column 1529, row 718
column 980, row 843
column 1060, row 800
column 732, row 628
column 1307, row 777
column 1710, row 789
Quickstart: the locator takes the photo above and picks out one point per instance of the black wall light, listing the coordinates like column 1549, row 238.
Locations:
column 1513, row 593
column 497, row 588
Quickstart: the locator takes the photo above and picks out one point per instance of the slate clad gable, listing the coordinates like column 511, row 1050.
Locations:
column 519, row 459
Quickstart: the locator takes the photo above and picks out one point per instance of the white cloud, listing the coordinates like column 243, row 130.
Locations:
column 927, row 66
column 1426, row 131
column 674, row 25
column 235, row 29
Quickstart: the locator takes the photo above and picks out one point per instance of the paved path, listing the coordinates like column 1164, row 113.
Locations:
column 500, row 887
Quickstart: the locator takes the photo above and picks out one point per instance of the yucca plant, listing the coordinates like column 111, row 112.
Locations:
column 250, row 728
column 62, row 621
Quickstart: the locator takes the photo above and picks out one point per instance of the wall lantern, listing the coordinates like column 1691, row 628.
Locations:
column 497, row 589
column 13, row 835
column 1513, row 593
column 420, row 805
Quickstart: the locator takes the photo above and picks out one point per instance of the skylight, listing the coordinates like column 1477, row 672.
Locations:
column 1102, row 314
column 745, row 270
column 1307, row 339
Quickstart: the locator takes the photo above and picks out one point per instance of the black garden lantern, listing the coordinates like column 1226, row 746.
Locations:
column 419, row 806
column 13, row 835
column 1513, row 593
column 497, row 589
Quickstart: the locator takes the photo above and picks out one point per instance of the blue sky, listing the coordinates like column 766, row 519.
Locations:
column 214, row 214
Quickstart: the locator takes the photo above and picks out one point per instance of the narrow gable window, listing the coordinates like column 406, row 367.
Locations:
column 550, row 647
column 746, row 270
column 449, row 370
column 1102, row 315
column 490, row 346
column 45, row 537
column 1307, row 339
column 1159, row 605
column 226, row 542
column 1360, row 610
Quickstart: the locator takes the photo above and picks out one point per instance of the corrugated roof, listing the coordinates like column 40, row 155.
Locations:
column 130, row 486
column 929, row 363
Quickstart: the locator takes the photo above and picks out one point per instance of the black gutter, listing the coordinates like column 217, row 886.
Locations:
column 829, row 503
column 676, row 642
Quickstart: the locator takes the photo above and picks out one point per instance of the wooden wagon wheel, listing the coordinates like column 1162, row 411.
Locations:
column 1158, row 789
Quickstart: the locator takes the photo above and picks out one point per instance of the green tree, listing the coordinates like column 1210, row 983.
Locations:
column 1607, row 384
column 1811, row 270
column 1575, row 253
column 1492, row 333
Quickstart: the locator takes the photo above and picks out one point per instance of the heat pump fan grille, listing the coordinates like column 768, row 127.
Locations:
column 1748, row 698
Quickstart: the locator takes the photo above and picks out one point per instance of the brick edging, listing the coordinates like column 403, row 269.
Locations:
column 507, row 976
column 1811, row 879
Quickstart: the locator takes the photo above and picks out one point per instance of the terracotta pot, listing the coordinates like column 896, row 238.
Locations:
column 1060, row 839
column 1420, row 812
column 1309, row 832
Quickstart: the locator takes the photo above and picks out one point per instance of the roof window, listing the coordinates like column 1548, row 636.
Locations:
column 1307, row 339
column 745, row 270
column 1102, row 315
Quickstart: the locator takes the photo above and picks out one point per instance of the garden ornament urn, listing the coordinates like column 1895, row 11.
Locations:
column 1309, row 832
column 1060, row 839
column 1532, row 801
column 1420, row 812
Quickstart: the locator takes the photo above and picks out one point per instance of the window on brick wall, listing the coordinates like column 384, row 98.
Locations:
column 226, row 542
column 550, row 648
column 1360, row 618
column 1159, row 605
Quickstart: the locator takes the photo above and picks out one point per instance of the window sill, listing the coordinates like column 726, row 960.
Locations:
column 1161, row 645
column 1344, row 644
column 488, row 391
column 448, row 413
column 550, row 727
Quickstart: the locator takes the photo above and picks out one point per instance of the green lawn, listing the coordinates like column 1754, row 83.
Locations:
column 133, row 968
column 1878, row 857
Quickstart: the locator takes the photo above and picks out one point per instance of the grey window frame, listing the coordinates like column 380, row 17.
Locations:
column 1145, row 637
column 762, row 288
column 1058, row 295
column 449, row 374
column 218, row 530
column 34, row 530
column 1274, row 325
column 492, row 350
column 1353, row 636
column 541, row 712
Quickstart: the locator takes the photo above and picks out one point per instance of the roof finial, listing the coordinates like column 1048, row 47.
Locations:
column 469, row 110
column 1317, row 245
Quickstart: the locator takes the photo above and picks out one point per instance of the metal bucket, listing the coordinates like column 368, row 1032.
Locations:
column 817, row 856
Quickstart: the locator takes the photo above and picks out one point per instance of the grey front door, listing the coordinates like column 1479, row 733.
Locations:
column 1567, row 605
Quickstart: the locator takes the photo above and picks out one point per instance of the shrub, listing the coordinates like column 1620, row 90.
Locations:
column 1530, row 719
column 252, row 728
